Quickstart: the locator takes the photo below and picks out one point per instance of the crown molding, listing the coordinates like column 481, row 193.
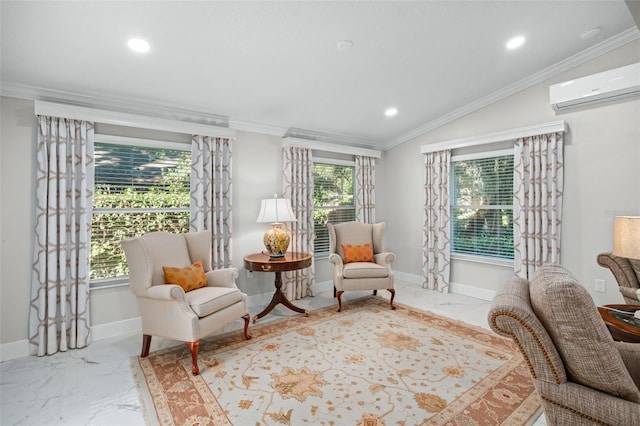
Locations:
column 249, row 126
column 586, row 55
column 137, row 107
column 111, row 103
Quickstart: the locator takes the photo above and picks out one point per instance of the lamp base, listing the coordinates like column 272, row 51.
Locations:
column 275, row 256
column 276, row 241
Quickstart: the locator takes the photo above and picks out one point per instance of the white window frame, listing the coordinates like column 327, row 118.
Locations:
column 133, row 142
column 335, row 162
column 471, row 257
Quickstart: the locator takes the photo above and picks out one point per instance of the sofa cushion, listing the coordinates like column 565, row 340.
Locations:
column 570, row 316
column 357, row 253
column 207, row 300
column 189, row 278
column 364, row 270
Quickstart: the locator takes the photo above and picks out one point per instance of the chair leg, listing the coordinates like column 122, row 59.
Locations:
column 393, row 294
column 146, row 344
column 339, row 294
column 193, row 346
column 246, row 319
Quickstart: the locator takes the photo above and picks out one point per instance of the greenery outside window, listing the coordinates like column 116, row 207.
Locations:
column 482, row 205
column 334, row 198
column 140, row 186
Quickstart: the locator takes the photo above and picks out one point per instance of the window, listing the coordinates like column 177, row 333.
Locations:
column 139, row 187
column 482, row 205
column 333, row 196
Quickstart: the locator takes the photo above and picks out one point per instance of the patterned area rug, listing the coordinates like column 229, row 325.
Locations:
column 368, row 365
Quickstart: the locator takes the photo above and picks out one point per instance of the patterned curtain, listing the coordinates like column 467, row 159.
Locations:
column 211, row 194
column 297, row 184
column 59, row 317
column 437, row 232
column 365, row 189
column 537, row 204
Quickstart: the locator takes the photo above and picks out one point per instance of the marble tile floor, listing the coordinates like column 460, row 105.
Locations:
column 94, row 385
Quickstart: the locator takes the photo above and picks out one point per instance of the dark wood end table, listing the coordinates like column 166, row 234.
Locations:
column 621, row 326
column 290, row 262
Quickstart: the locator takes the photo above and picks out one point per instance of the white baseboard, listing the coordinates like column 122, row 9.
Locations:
column 20, row 348
column 408, row 278
column 321, row 287
column 457, row 288
column 467, row 290
column 13, row 350
column 116, row 328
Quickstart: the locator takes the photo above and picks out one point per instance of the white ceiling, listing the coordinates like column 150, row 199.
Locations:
column 277, row 64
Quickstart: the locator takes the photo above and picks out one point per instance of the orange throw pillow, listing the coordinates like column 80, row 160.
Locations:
column 357, row 253
column 189, row 278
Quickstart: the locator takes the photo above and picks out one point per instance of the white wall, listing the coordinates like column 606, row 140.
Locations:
column 601, row 178
column 17, row 144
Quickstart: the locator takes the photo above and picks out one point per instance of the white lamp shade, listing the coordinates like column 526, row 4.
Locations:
column 626, row 237
column 276, row 210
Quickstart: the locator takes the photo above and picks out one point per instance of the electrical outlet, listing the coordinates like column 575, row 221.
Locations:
column 601, row 286
column 249, row 274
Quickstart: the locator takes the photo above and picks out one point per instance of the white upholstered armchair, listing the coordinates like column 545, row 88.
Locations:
column 358, row 259
column 166, row 309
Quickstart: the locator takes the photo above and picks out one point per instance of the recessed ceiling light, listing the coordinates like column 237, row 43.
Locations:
column 390, row 112
column 138, row 45
column 515, row 42
column 590, row 33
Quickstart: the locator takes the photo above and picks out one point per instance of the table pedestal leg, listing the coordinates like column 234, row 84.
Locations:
column 279, row 297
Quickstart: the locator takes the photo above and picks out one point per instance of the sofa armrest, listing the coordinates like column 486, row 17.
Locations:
column 223, row 277
column 384, row 258
column 630, row 293
column 165, row 292
column 630, row 354
column 169, row 293
column 336, row 260
column 621, row 269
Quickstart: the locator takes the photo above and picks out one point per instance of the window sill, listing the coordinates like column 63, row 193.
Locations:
column 109, row 283
column 507, row 263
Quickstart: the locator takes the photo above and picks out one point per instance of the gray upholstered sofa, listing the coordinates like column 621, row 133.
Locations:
column 627, row 274
column 581, row 374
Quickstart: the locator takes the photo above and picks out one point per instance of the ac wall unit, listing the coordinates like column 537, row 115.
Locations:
column 607, row 86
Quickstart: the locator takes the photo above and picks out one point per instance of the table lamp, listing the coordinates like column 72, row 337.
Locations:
column 626, row 238
column 276, row 211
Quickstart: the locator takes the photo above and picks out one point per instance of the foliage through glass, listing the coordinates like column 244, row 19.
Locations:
column 482, row 207
column 137, row 190
column 334, row 200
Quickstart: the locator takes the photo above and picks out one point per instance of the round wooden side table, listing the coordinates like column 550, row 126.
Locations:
column 623, row 327
column 290, row 262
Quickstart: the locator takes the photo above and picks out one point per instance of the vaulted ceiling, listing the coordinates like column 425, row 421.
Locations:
column 325, row 69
